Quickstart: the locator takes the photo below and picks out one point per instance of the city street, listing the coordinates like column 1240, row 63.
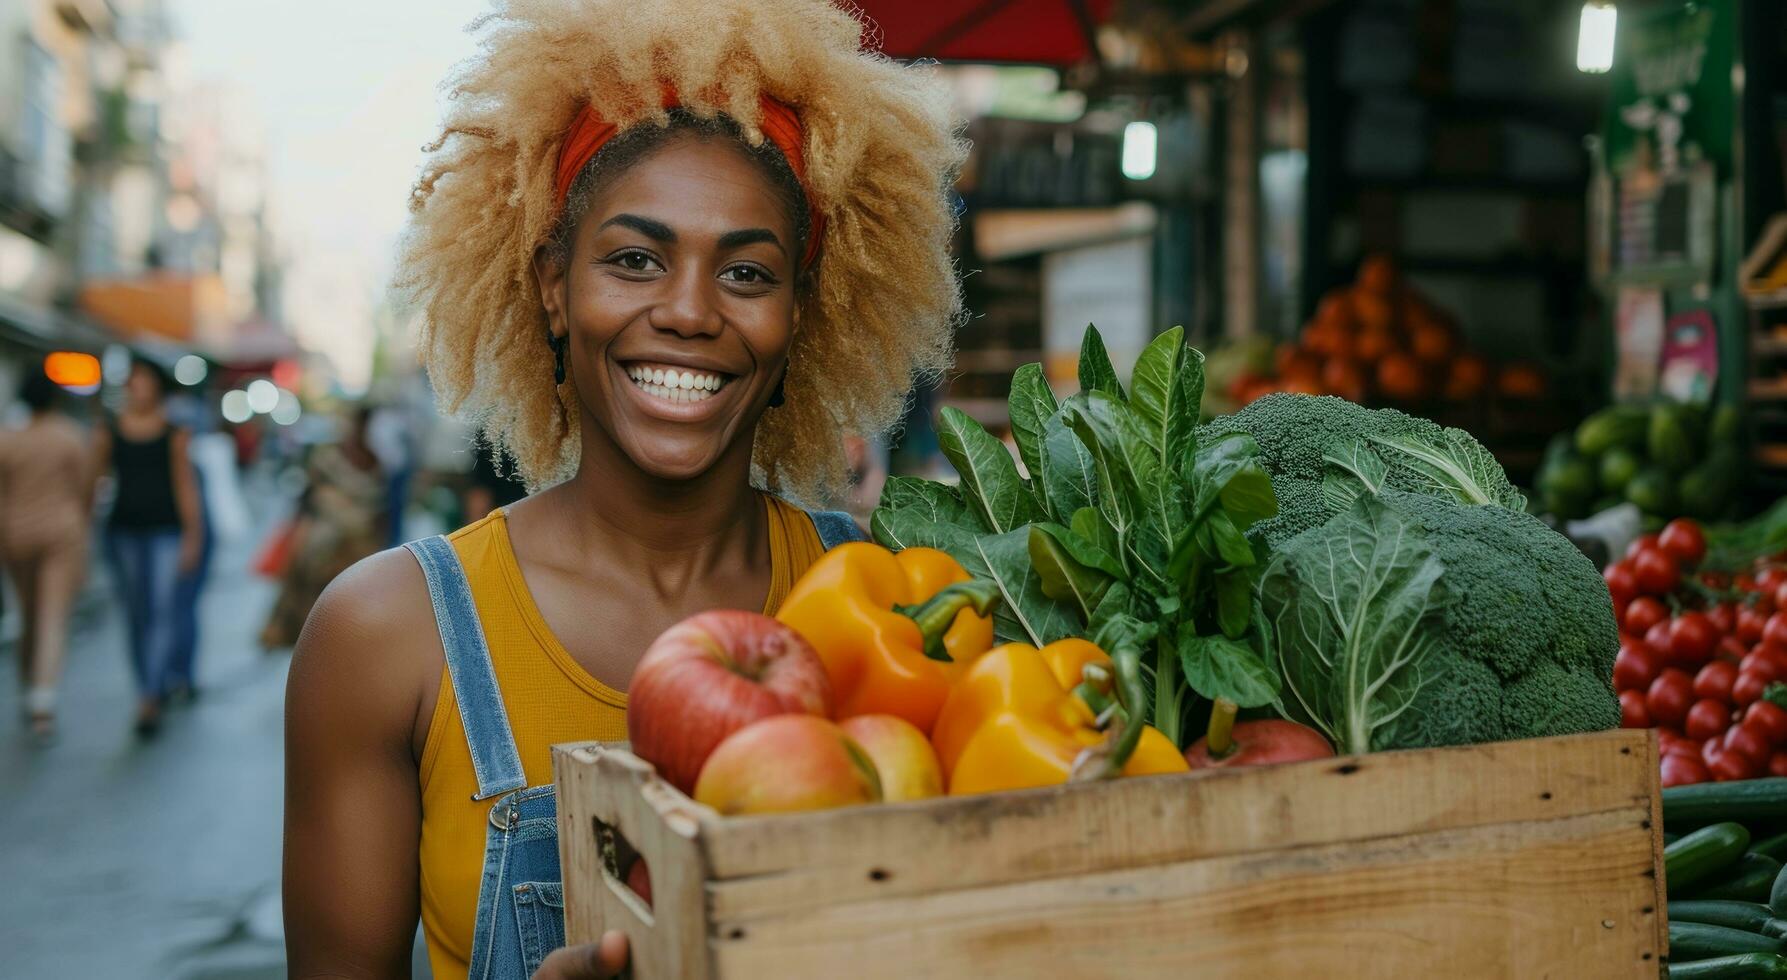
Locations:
column 159, row 859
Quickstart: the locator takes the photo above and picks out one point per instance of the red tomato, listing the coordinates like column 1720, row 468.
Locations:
column 1633, row 713
column 1761, row 663
column 1644, row 541
column 1669, row 740
column 1634, row 667
column 1692, row 639
column 1747, row 688
column 1731, row 649
column 1749, row 740
column 1708, row 718
column 1745, row 582
column 1713, row 681
column 1777, row 764
column 1770, row 719
column 1729, row 766
column 1684, row 770
column 1749, row 624
column 1764, row 602
column 1658, row 638
column 1621, row 585
column 1669, row 695
column 1770, row 578
column 1656, row 572
column 1723, row 616
column 1643, row 613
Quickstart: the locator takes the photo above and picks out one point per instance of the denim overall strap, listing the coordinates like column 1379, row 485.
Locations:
column 835, row 528
column 494, row 758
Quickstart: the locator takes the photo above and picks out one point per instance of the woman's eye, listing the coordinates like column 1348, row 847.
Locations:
column 633, row 261
column 747, row 275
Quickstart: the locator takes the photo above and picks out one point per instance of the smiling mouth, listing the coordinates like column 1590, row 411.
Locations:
column 676, row 385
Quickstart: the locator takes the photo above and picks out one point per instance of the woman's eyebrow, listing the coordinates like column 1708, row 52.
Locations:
column 750, row 236
column 656, row 230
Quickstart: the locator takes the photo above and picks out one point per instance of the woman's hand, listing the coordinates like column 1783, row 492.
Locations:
column 192, row 549
column 591, row 961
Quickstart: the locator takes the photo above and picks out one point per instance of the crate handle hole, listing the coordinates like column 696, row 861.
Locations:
column 619, row 858
column 879, row 874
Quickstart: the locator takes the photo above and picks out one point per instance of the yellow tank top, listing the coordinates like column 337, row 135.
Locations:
column 549, row 699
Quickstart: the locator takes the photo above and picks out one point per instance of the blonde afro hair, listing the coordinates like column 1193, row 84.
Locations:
column 881, row 148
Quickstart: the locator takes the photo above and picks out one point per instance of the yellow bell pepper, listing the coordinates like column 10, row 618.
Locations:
column 1019, row 719
column 894, row 630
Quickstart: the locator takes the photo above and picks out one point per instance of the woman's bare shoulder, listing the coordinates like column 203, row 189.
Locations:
column 371, row 640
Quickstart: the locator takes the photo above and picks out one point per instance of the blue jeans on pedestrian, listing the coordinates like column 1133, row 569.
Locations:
column 186, row 603
column 146, row 566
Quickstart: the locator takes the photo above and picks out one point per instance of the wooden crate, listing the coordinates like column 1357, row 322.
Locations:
column 1519, row 859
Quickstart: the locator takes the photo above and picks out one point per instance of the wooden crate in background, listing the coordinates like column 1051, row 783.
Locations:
column 1517, row 859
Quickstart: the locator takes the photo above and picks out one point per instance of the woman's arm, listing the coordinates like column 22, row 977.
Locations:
column 101, row 464
column 186, row 500
column 353, row 801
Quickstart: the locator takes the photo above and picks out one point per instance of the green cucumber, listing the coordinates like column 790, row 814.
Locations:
column 1745, row 800
column 1699, row 941
column 1753, row 916
column 1751, row 879
column 1703, row 854
column 1775, row 847
column 1669, row 838
column 1741, row 967
column 1777, row 893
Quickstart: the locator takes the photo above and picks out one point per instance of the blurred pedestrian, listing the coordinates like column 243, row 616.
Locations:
column 492, row 483
column 182, row 672
column 341, row 519
column 46, row 508
column 154, row 535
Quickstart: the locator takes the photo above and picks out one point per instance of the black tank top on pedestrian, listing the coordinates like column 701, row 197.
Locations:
column 145, row 481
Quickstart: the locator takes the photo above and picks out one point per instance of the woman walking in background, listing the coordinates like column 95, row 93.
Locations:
column 46, row 481
column 341, row 519
column 154, row 535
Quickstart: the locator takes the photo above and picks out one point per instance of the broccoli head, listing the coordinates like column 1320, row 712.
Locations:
column 1520, row 629
column 1294, row 432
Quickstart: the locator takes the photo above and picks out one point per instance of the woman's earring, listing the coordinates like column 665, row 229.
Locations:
column 780, row 395
column 558, row 345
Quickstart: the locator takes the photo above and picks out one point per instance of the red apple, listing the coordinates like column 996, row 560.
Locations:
column 711, row 675
column 1264, row 742
column 639, row 879
column 903, row 757
column 787, row 762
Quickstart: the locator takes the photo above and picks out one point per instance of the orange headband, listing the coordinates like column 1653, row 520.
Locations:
column 589, row 132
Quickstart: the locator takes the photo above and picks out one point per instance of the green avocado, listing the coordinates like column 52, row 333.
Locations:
column 1618, row 466
column 1653, row 491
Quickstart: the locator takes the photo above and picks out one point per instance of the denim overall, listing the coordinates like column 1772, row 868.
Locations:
column 521, row 903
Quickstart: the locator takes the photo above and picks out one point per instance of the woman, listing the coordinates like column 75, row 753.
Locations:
column 667, row 254
column 46, row 480
column 340, row 521
column 154, row 534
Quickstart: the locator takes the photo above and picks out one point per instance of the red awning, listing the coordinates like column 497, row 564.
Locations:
column 1043, row 32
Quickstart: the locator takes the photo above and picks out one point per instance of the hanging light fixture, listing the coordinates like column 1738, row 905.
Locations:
column 1594, row 36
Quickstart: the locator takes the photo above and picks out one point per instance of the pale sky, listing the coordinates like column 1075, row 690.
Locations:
column 348, row 92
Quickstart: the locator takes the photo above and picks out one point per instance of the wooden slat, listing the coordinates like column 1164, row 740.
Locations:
column 775, row 865
column 1566, row 898
column 617, row 789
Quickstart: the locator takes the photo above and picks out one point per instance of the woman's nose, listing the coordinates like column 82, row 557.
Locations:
column 688, row 308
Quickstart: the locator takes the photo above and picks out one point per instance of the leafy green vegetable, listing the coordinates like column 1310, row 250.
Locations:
column 990, row 478
column 1031, row 403
column 1453, row 464
column 1129, row 527
column 1096, row 372
column 1352, row 605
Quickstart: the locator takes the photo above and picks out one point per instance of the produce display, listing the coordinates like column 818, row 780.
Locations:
column 1723, row 870
column 1378, row 340
column 1701, row 657
column 1669, row 459
column 1130, row 593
